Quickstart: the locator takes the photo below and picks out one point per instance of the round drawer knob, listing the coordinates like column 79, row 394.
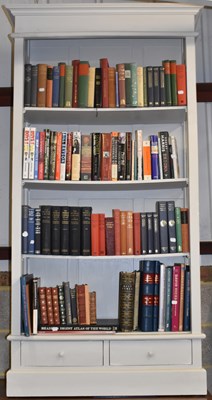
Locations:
column 150, row 354
column 61, row 354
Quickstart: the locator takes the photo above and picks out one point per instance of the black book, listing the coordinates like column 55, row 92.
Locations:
column 156, row 86
column 150, row 87
column 75, row 230
column 86, row 231
column 34, row 85
column 55, row 227
column 162, row 86
column 73, row 305
column 46, row 230
column 156, row 234
column 52, row 154
column 98, row 90
column 27, row 84
column 163, row 226
column 65, row 230
column 164, row 139
column 24, row 229
column 144, row 243
column 122, row 156
column 67, row 297
column 37, row 230
column 62, row 308
column 96, row 156
column 102, row 325
column 171, row 226
column 129, row 156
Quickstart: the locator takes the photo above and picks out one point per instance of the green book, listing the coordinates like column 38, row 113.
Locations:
column 178, row 229
column 173, row 75
column 68, row 85
column 167, row 80
column 131, row 85
column 83, row 77
column 145, row 86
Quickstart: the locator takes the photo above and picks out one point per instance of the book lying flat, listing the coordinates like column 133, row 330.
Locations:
column 102, row 325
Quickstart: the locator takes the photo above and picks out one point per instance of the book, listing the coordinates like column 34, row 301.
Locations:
column 164, row 142
column 37, row 139
column 83, row 77
column 102, row 325
column 144, row 239
column 69, row 143
column 34, row 85
column 86, row 158
column 41, row 88
column 46, row 154
column 95, row 235
column 62, row 74
column 58, row 155
column 104, row 65
column 114, row 156
column 150, row 87
column 185, row 230
column 55, row 229
column 147, row 268
column 31, row 231
column 73, row 305
column 110, row 236
column 122, row 156
column 140, row 86
column 137, row 233
column 98, row 89
column 76, row 156
column 24, row 229
column 102, row 238
column 49, row 306
column 68, row 86
column 128, row 156
column 96, row 156
column 156, row 233
column 32, row 152
column 27, row 84
column 161, row 208
column 117, row 229
column 156, row 86
column 111, row 87
column 173, row 77
column 187, row 300
column 55, row 305
column 162, row 86
column 45, row 229
column 56, row 85
column 91, row 86
column 129, row 239
column 139, row 153
column 75, row 230
column 126, row 300
column 41, row 155
column 62, row 307
column 106, row 156
column 181, row 85
column 131, row 85
column 136, row 300
column 147, row 169
column 168, row 299
column 83, row 304
column 75, row 64
column 37, row 230
column 156, row 300
column 174, row 156
column 43, row 316
column 162, row 296
column 175, row 297
column 52, row 155
column 26, row 304
column 178, row 229
column 26, row 145
column 35, row 304
column 167, row 80
column 92, row 298
column 123, row 232
column 86, row 231
column 182, row 296
column 171, row 226
column 150, row 233
column 121, row 84
column 49, row 86
column 65, row 230
column 67, row 297
column 155, row 172
column 63, row 157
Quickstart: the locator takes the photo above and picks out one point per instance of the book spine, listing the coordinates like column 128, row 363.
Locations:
column 175, row 297
column 69, row 156
column 25, row 173
column 167, row 79
column 155, row 172
column 52, row 155
column 175, row 157
column 110, row 236
column 41, row 155
column 144, row 240
column 62, row 307
column 128, row 156
column 182, row 294
column 55, row 229
column 42, row 306
column 122, row 156
column 126, row 300
column 95, row 235
column 41, row 89
column 164, row 141
column 55, row 304
column 75, row 64
column 156, row 300
column 92, row 296
column 117, row 228
column 91, row 86
column 68, row 86
column 185, row 230
column 168, row 307
column 104, row 65
column 76, row 156
column 162, row 293
column 24, row 229
column 37, row 230
column 65, row 230
column 162, row 215
column 31, row 230
column 187, row 301
column 49, row 306
column 131, row 86
column 86, row 231
column 178, row 229
column 121, row 84
column 123, row 219
column 150, row 87
column 111, row 87
column 83, row 74
column 32, row 153
column 173, row 77
column 37, row 139
column 102, row 238
column 114, row 157
column 62, row 69
column 63, row 157
column 98, row 89
column 106, row 149
column 130, row 244
column 27, row 84
column 156, row 233
column 181, row 85
column 96, row 156
column 147, row 269
column 140, row 84
column 136, row 300
column 150, row 236
column 56, row 86
column 46, row 154
column 73, row 305
column 49, row 86
column 171, row 226
column 156, row 86
column 35, row 305
column 147, row 168
column 67, row 298
column 162, row 86
column 139, row 155
column 75, row 230
column 58, row 155
column 46, row 230
column 137, row 233
column 34, row 85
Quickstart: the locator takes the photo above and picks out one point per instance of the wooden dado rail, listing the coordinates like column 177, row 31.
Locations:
column 204, row 95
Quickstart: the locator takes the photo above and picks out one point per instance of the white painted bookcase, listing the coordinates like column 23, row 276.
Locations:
column 139, row 364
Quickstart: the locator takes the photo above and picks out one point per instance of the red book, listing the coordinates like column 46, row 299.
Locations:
column 42, row 305
column 106, row 149
column 112, row 87
column 175, row 297
column 130, row 246
column 75, row 64
column 181, row 85
column 110, row 236
column 123, row 217
column 121, row 85
column 58, row 155
column 102, row 240
column 69, row 155
column 117, row 227
column 95, row 235
column 55, row 304
column 83, row 304
column 49, row 305
column 137, row 232
column 41, row 154
column 104, row 65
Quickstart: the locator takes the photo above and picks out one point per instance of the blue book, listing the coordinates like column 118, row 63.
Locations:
column 154, row 156
column 26, row 282
column 144, row 243
column 147, row 286
column 156, row 296
column 37, row 136
column 187, row 300
column 31, row 230
column 56, row 86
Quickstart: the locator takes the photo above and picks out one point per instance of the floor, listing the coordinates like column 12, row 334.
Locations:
column 3, row 396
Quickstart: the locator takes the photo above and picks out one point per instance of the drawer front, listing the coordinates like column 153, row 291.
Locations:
column 146, row 352
column 63, row 354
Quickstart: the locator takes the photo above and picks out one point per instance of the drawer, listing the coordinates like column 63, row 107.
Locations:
column 147, row 352
column 63, row 354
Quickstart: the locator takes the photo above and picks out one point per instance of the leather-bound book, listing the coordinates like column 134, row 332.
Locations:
column 46, row 229
column 75, row 64
column 104, row 65
column 75, row 230
column 49, row 306
column 130, row 245
column 66, row 288
column 117, row 227
column 42, row 305
column 56, row 86
column 62, row 69
column 126, row 300
column 98, row 89
column 96, row 156
column 92, row 307
column 83, row 304
column 106, row 156
column 111, row 87
column 83, row 76
column 41, row 89
column 68, row 86
column 49, row 86
column 95, row 235
column 55, row 304
column 86, row 158
column 65, row 230
column 110, row 236
column 102, row 240
column 27, row 84
column 34, row 85
column 86, row 231
column 62, row 307
column 147, row 268
column 55, row 229
column 121, row 84
column 137, row 233
column 123, row 218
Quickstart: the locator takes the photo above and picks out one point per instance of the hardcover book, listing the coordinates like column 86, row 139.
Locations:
column 161, row 209
column 126, row 300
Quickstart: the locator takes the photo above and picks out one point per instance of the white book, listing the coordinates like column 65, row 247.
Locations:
column 139, row 140
column 174, row 156
column 26, row 153
column 140, row 81
column 91, row 86
column 32, row 135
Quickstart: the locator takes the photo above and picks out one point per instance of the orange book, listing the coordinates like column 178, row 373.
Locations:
column 181, row 85
column 123, row 232
column 117, row 227
column 102, row 243
column 41, row 88
column 130, row 245
column 95, row 235
column 137, row 232
column 104, row 65
column 112, row 87
column 106, row 157
column 185, row 230
column 58, row 155
column 147, row 170
column 49, row 86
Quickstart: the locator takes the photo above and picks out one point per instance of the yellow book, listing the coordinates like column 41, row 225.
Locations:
column 140, row 86
column 91, row 86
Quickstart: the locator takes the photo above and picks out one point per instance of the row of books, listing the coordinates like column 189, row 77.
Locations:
column 155, row 298
column 114, row 156
column 62, row 305
column 64, row 230
column 125, row 85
